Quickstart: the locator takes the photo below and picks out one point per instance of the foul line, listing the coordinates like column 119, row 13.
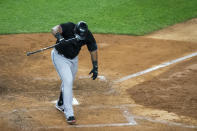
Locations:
column 156, row 67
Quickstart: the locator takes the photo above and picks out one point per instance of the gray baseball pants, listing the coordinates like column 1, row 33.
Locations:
column 67, row 69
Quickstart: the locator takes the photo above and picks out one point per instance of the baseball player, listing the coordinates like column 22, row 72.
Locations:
column 70, row 38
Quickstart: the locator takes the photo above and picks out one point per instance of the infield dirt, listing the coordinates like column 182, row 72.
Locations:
column 165, row 99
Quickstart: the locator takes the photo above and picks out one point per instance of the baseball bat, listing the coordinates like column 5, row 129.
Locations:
column 46, row 48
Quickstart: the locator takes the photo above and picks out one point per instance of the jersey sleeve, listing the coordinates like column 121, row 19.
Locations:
column 91, row 42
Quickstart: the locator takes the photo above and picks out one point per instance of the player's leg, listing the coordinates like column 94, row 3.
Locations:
column 67, row 81
column 59, row 103
column 60, row 100
column 63, row 67
column 74, row 67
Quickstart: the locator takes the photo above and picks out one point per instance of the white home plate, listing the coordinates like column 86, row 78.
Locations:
column 75, row 102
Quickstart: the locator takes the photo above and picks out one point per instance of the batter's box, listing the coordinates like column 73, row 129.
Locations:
column 51, row 117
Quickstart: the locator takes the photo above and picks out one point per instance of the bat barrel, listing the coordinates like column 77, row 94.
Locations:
column 30, row 53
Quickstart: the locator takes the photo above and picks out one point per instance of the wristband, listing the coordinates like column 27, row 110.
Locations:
column 95, row 64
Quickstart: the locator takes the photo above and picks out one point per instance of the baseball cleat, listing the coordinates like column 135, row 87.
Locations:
column 71, row 120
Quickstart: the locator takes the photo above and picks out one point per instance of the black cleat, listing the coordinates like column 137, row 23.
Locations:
column 71, row 120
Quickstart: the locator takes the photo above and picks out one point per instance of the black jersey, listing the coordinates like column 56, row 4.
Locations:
column 72, row 48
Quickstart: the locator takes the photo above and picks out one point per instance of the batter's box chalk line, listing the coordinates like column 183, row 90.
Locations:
column 87, row 126
column 128, row 116
column 131, row 123
column 123, row 124
column 155, row 68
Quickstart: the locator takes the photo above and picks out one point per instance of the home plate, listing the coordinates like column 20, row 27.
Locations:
column 75, row 102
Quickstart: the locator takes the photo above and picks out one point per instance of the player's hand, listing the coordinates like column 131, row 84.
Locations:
column 62, row 41
column 59, row 36
column 94, row 71
column 77, row 37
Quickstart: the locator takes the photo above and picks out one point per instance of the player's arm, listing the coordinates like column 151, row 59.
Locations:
column 92, row 47
column 94, row 58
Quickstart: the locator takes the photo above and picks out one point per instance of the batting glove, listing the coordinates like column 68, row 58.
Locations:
column 94, row 71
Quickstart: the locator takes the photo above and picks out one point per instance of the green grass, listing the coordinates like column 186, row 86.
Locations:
column 136, row 17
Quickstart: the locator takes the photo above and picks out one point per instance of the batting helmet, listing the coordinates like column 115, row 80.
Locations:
column 81, row 30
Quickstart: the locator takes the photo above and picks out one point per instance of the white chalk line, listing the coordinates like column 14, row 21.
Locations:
column 104, row 125
column 155, row 68
column 86, row 126
column 128, row 116
column 125, row 124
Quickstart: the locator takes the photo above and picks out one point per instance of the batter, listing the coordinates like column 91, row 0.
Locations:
column 65, row 60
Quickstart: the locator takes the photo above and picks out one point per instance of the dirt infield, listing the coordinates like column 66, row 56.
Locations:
column 164, row 99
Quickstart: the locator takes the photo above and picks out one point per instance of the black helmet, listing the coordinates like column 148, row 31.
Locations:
column 81, row 30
